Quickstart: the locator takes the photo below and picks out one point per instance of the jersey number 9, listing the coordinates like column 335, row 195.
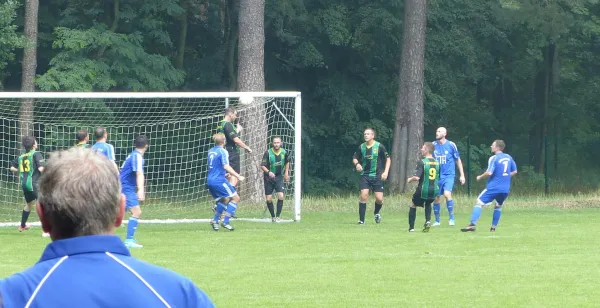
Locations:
column 432, row 173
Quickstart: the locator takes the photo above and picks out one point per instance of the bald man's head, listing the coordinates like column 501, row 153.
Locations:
column 440, row 133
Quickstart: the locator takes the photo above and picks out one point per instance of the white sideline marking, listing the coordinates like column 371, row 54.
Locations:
column 162, row 221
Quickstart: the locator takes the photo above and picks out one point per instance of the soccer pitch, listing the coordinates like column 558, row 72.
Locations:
column 545, row 253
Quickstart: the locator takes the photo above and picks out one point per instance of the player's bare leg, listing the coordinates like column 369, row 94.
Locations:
column 26, row 211
column 279, row 206
column 362, row 205
column 378, row 206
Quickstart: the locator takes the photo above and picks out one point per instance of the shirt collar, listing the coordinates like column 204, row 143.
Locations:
column 84, row 244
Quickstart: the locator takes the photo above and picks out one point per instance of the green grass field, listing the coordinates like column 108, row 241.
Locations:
column 545, row 253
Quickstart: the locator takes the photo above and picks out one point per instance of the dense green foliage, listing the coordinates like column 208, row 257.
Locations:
column 520, row 70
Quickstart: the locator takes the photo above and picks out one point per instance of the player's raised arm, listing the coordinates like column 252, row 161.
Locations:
column 230, row 131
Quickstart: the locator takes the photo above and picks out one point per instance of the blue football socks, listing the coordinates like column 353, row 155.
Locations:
column 475, row 214
column 132, row 227
column 219, row 210
column 436, row 211
column 231, row 207
column 496, row 216
column 450, row 206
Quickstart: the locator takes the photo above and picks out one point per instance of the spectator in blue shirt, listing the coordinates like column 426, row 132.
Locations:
column 86, row 265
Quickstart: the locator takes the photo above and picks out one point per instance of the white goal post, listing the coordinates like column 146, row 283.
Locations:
column 179, row 125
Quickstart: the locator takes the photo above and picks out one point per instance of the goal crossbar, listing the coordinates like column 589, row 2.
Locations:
column 137, row 95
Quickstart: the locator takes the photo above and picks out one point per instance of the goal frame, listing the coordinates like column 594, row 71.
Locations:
column 190, row 95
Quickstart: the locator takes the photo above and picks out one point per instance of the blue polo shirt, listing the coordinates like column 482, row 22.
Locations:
column 98, row 271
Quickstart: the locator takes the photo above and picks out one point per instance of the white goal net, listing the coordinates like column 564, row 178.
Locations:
column 179, row 127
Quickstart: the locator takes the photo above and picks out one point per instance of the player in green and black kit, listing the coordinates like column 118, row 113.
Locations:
column 83, row 138
column 373, row 161
column 29, row 166
column 232, row 142
column 428, row 175
column 275, row 164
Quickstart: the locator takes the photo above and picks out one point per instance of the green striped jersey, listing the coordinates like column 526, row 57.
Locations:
column 372, row 158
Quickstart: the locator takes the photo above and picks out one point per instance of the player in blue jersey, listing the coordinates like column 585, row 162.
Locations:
column 219, row 187
column 102, row 147
column 446, row 153
column 132, row 186
column 501, row 168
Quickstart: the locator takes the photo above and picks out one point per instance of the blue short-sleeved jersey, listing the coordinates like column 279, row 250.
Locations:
column 105, row 149
column 446, row 154
column 217, row 159
column 133, row 164
column 500, row 165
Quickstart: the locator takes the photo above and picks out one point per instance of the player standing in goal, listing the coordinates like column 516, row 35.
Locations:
column 428, row 175
column 83, row 138
column 232, row 142
column 29, row 166
column 373, row 161
column 102, row 147
column 221, row 190
column 446, row 153
column 132, row 186
column 501, row 168
column 275, row 165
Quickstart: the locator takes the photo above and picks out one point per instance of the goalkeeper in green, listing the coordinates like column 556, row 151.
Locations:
column 428, row 175
column 275, row 165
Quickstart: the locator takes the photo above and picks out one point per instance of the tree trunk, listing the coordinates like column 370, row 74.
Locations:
column 410, row 95
column 251, row 78
column 29, row 66
column 113, row 26
column 183, row 26
column 399, row 147
column 232, row 40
